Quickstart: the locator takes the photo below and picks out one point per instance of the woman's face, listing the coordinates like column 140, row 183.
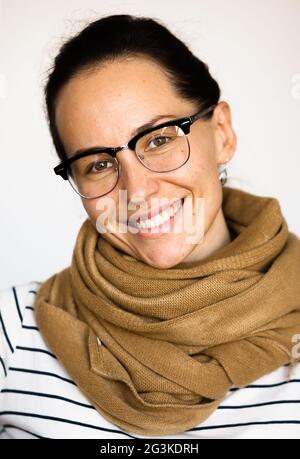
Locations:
column 104, row 107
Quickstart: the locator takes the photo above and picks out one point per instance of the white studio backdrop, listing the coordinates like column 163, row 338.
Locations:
column 252, row 49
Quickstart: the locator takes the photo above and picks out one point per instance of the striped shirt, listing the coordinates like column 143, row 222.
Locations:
column 38, row 399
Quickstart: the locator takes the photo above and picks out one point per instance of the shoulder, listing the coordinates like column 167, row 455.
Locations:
column 268, row 408
column 13, row 299
column 14, row 302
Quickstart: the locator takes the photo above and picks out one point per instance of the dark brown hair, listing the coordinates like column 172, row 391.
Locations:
column 117, row 37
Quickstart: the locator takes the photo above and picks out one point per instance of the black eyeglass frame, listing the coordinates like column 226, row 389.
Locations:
column 184, row 123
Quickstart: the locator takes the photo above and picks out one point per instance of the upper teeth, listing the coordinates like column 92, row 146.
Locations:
column 161, row 218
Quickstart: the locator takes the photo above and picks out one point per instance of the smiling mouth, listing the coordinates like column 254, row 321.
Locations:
column 159, row 219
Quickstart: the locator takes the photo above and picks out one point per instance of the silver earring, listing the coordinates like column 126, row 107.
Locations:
column 223, row 174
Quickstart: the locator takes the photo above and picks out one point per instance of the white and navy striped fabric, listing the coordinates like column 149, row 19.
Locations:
column 39, row 400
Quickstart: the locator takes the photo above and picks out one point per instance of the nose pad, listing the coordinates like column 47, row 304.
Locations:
column 135, row 156
column 122, row 148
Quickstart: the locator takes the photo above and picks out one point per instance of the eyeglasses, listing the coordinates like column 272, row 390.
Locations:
column 95, row 172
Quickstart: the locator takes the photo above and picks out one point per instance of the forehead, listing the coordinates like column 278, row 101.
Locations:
column 104, row 105
column 116, row 86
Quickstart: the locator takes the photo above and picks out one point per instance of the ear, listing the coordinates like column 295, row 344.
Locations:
column 225, row 137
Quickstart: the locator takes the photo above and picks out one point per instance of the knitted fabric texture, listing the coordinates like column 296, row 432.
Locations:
column 157, row 350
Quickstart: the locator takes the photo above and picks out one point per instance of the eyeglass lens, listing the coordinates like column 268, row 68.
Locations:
column 162, row 150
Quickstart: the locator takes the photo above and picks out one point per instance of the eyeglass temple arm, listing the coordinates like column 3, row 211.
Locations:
column 200, row 114
column 59, row 170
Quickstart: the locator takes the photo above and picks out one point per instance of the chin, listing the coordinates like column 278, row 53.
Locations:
column 162, row 265
column 163, row 260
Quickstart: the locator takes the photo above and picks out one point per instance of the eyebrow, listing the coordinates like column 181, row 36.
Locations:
column 150, row 124
column 137, row 131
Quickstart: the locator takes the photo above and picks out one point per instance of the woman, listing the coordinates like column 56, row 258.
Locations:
column 179, row 316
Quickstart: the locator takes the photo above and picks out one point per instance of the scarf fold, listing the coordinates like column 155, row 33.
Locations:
column 157, row 350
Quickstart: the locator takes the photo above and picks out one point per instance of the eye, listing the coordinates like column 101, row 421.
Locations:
column 159, row 140
column 99, row 166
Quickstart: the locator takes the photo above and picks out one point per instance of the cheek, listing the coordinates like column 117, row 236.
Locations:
column 105, row 207
column 201, row 177
column 200, row 170
column 91, row 210
column 95, row 208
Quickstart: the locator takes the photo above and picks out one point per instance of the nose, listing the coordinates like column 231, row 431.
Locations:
column 139, row 181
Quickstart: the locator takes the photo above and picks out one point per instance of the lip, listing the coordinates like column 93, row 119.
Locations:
column 143, row 216
column 163, row 229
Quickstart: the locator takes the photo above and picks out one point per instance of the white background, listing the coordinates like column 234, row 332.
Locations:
column 252, row 49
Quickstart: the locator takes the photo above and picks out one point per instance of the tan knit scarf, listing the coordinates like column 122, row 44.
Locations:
column 156, row 350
